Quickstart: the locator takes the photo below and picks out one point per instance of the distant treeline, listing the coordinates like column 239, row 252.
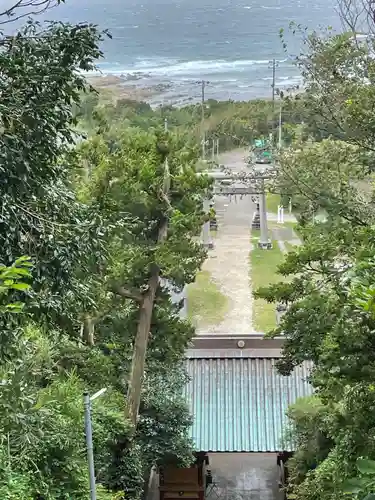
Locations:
column 235, row 124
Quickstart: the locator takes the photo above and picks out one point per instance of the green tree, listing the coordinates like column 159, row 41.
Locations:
column 165, row 198
column 329, row 319
column 40, row 214
column 89, row 237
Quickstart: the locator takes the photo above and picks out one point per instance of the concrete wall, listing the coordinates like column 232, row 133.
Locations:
column 240, row 476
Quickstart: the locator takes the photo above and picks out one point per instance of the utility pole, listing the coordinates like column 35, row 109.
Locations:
column 273, row 86
column 203, row 133
column 280, row 127
column 203, row 84
column 273, row 83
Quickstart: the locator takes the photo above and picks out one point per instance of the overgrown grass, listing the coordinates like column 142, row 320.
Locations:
column 206, row 305
column 263, row 267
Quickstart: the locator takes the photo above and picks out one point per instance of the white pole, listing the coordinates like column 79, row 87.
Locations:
column 282, row 215
column 88, row 432
column 89, row 445
column 278, row 214
column 290, row 205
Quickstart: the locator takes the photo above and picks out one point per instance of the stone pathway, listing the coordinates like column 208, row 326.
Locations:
column 228, row 263
column 229, row 267
column 282, row 246
column 285, row 234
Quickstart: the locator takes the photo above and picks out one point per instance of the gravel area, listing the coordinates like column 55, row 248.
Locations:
column 228, row 263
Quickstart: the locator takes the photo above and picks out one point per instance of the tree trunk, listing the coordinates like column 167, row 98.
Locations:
column 145, row 316
column 140, row 348
column 89, row 330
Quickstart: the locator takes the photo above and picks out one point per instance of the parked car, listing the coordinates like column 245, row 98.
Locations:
column 264, row 158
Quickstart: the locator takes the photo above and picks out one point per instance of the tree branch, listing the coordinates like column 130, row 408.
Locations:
column 128, row 293
column 36, row 6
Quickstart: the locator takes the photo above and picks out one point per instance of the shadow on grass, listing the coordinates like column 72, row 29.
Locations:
column 206, row 305
column 263, row 272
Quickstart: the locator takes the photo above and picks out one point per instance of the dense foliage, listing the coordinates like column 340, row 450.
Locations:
column 235, row 124
column 87, row 215
column 330, row 293
column 91, row 231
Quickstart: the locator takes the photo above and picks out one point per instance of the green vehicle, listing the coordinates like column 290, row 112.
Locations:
column 264, row 157
column 261, row 152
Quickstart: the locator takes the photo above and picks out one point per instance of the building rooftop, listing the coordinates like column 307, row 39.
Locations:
column 238, row 399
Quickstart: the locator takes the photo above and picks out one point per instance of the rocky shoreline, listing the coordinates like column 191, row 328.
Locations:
column 158, row 91
column 123, row 87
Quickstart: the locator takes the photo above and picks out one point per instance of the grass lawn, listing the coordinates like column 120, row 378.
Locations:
column 263, row 266
column 206, row 305
column 272, row 202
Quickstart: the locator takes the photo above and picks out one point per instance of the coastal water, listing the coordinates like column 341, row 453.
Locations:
column 229, row 43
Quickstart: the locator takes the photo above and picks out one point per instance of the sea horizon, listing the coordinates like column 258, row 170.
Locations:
column 173, row 44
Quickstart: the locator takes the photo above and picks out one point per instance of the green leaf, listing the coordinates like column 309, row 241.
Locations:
column 370, row 496
column 15, row 305
column 354, row 485
column 20, row 286
column 22, row 272
column 23, row 261
column 366, row 466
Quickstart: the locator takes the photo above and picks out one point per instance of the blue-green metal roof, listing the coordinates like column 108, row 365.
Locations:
column 239, row 404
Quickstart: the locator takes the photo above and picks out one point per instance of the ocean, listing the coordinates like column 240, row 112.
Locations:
column 228, row 43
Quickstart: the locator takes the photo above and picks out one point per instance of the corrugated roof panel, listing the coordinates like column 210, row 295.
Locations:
column 239, row 404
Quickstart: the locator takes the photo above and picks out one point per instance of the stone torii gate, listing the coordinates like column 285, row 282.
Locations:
column 228, row 189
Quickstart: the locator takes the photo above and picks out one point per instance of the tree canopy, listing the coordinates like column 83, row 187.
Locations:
column 101, row 210
column 81, row 250
column 329, row 296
